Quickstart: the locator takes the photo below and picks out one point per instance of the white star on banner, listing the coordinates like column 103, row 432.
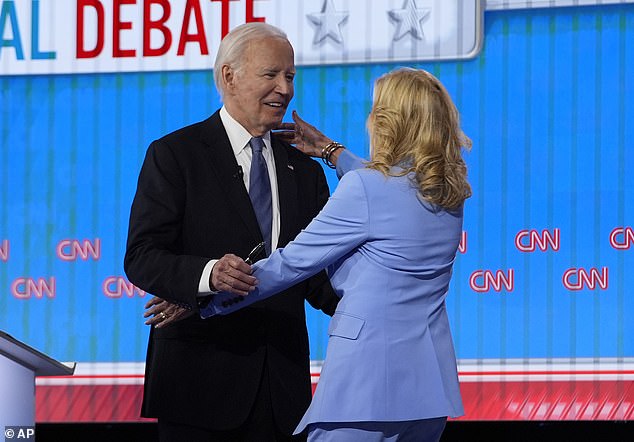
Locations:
column 409, row 20
column 329, row 23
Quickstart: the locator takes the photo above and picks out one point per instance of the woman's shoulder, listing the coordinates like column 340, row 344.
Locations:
column 372, row 185
column 367, row 174
column 375, row 178
column 362, row 179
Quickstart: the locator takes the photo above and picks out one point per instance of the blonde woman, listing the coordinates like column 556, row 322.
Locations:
column 388, row 237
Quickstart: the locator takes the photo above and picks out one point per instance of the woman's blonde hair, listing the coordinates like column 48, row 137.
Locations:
column 415, row 125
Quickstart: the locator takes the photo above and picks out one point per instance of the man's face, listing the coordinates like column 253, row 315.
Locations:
column 258, row 94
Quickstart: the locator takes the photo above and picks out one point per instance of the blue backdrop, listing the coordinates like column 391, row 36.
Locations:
column 549, row 106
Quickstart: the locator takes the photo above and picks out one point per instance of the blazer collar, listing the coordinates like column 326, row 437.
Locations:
column 225, row 168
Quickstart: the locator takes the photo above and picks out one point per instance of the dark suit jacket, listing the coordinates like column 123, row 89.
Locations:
column 191, row 205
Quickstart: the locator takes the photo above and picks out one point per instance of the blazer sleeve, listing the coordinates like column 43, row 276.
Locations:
column 341, row 226
column 319, row 292
column 154, row 260
column 348, row 161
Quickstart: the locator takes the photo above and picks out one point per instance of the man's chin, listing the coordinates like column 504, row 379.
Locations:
column 277, row 118
column 280, row 111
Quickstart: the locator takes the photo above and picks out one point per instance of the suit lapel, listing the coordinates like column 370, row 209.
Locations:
column 226, row 170
column 287, row 192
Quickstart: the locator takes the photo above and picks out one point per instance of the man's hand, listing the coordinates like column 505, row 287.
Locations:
column 232, row 274
column 162, row 313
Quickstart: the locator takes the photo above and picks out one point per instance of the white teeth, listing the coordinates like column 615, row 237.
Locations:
column 275, row 104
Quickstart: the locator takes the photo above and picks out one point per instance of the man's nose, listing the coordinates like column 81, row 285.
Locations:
column 284, row 86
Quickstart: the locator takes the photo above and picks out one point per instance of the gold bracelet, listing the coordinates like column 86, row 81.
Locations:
column 328, row 150
column 329, row 163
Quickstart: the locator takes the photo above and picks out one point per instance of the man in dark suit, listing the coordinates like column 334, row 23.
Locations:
column 244, row 377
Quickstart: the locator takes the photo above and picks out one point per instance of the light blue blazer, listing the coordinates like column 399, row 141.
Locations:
column 389, row 256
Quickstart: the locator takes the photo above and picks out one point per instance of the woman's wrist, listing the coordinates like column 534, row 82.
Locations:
column 334, row 156
column 330, row 153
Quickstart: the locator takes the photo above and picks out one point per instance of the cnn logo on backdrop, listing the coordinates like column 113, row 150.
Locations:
column 579, row 278
column 38, row 288
column 118, row 287
column 482, row 281
column 74, row 249
column 622, row 238
column 532, row 240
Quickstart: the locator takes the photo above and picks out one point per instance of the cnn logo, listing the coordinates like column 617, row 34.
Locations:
column 482, row 281
column 578, row 278
column 118, row 287
column 531, row 240
column 73, row 249
column 622, row 238
column 27, row 288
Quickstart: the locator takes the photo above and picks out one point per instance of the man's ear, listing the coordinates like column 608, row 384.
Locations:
column 228, row 76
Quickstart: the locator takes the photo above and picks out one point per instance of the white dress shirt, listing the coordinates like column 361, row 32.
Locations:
column 239, row 138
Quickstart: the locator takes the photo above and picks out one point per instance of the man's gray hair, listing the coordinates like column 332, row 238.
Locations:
column 234, row 45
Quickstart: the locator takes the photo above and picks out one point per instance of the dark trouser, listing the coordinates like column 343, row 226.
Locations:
column 259, row 426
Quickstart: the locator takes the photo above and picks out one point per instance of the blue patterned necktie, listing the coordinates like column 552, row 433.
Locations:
column 260, row 191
